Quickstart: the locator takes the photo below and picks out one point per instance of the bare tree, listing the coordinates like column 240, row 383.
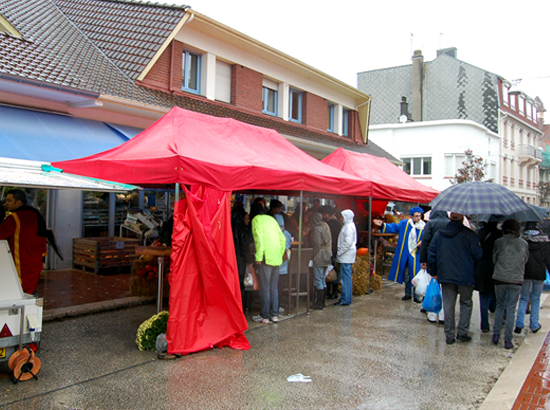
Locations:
column 473, row 169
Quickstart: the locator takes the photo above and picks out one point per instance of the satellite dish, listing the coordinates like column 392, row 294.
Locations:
column 403, row 119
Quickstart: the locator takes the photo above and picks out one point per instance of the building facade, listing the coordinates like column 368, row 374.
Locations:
column 80, row 76
column 447, row 89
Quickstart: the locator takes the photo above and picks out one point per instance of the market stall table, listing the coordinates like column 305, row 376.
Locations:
column 377, row 236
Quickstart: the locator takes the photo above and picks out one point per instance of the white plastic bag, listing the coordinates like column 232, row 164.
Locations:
column 420, row 282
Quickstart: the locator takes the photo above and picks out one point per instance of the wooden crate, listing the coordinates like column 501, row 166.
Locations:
column 96, row 254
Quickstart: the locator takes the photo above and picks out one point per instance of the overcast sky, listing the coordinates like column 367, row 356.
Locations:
column 345, row 37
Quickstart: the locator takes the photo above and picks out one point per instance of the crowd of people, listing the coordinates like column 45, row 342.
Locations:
column 263, row 241
column 504, row 262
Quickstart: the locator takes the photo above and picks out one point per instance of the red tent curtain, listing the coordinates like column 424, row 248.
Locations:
column 205, row 298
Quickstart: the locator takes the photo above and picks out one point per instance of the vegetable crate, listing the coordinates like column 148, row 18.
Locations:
column 104, row 253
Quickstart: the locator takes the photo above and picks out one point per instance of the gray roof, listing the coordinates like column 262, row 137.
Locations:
column 101, row 47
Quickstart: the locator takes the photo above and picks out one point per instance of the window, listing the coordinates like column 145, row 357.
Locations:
column 505, row 97
column 418, row 166
column 452, row 163
column 295, row 105
column 191, row 72
column 529, row 110
column 223, row 81
column 345, row 123
column 269, row 101
column 521, row 105
column 330, row 124
column 513, row 101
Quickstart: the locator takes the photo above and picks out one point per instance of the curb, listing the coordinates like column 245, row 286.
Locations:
column 95, row 307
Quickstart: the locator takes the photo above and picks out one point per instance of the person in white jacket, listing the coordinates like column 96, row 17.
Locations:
column 346, row 256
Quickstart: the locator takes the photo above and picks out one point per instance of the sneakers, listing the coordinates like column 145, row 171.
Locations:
column 417, row 300
column 518, row 330
column 464, row 338
column 260, row 319
column 496, row 338
column 536, row 330
column 275, row 319
column 449, row 341
column 508, row 344
column 406, row 297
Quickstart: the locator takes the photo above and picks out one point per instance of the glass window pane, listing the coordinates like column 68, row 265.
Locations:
column 193, row 72
column 270, row 100
column 407, row 166
column 295, row 105
column 427, row 169
column 417, row 166
column 330, row 126
column 345, row 123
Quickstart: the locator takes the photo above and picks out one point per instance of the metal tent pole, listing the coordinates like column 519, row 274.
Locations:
column 299, row 250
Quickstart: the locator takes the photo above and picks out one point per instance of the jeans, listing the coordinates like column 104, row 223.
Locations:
column 345, row 277
column 268, row 276
column 319, row 281
column 449, row 293
column 485, row 301
column 532, row 288
column 510, row 306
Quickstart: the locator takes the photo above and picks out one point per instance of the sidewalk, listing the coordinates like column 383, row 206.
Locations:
column 525, row 383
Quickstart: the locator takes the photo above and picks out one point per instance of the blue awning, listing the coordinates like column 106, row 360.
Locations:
column 40, row 136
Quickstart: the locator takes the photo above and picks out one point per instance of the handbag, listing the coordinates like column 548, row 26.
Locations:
column 330, row 274
column 432, row 301
column 420, row 282
column 250, row 278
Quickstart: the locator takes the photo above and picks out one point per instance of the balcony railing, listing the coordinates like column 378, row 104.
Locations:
column 512, row 181
column 520, row 182
column 529, row 155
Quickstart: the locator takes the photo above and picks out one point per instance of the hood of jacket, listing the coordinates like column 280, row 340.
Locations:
column 347, row 214
column 438, row 215
column 315, row 219
column 453, row 228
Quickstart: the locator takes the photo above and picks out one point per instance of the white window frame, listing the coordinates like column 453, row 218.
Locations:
column 291, row 103
column 412, row 160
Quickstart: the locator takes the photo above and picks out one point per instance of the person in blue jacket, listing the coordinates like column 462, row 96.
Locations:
column 406, row 262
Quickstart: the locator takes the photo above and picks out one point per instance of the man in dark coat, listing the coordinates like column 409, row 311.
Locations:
column 451, row 260
column 485, row 267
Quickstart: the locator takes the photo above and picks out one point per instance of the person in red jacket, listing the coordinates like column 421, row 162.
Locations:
column 25, row 230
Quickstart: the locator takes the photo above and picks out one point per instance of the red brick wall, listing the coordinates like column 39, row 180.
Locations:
column 159, row 75
column 246, row 87
column 177, row 65
column 314, row 111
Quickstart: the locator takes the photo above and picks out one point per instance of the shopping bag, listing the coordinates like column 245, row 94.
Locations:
column 432, row 301
column 420, row 282
column 250, row 278
column 330, row 274
column 546, row 285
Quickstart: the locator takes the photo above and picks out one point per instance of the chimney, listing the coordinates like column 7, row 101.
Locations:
column 417, row 74
column 451, row 51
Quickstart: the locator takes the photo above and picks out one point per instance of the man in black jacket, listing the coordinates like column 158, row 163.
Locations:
column 451, row 260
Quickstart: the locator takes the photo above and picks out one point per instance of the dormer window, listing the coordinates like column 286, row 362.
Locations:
column 191, row 72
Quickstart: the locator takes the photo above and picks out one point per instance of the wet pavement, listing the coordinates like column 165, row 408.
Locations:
column 378, row 353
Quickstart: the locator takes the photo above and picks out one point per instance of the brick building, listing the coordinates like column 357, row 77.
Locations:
column 81, row 76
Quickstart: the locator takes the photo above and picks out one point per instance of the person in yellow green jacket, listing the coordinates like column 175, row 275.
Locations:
column 270, row 246
column 406, row 262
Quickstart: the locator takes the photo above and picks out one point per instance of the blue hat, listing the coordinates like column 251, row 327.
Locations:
column 416, row 209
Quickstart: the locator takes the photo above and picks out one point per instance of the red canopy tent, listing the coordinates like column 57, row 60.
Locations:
column 387, row 180
column 222, row 153
column 214, row 156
